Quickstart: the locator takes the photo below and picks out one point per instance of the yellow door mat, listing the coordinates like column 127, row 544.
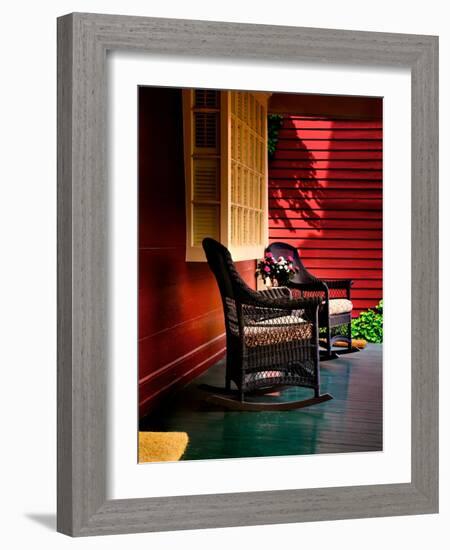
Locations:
column 162, row 446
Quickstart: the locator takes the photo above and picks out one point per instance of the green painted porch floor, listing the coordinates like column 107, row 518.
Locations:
column 350, row 422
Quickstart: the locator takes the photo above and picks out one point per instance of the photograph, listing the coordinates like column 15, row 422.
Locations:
column 260, row 278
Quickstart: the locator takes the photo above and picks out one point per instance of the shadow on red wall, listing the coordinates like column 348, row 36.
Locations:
column 325, row 198
column 292, row 178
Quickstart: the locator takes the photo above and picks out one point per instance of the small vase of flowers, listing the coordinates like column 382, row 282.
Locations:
column 276, row 272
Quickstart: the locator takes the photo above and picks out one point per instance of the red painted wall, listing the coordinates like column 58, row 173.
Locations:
column 325, row 196
column 180, row 313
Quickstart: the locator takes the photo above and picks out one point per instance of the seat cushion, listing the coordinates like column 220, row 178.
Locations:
column 340, row 305
column 277, row 331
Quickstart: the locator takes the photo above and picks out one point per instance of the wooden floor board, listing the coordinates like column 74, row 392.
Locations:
column 351, row 422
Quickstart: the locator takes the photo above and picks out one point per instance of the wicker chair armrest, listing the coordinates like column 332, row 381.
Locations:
column 276, row 292
column 338, row 283
column 258, row 300
column 313, row 285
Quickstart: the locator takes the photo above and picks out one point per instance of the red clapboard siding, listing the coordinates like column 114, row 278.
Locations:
column 289, row 172
column 276, row 213
column 329, row 224
column 344, row 263
column 325, row 198
column 332, row 204
column 320, row 192
column 330, row 134
column 292, row 144
column 328, row 253
column 285, row 234
column 325, row 164
column 312, row 122
column 329, row 155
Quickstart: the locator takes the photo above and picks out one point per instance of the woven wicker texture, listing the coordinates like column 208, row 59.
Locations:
column 276, row 331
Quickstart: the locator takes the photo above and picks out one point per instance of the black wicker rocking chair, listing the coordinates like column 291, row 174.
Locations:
column 272, row 340
column 335, row 312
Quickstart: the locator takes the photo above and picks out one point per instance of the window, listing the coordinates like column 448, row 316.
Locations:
column 225, row 144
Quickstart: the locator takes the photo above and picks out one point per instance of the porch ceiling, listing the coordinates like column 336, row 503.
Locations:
column 341, row 107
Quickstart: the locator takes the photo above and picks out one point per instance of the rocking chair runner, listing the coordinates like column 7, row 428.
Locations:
column 335, row 311
column 272, row 339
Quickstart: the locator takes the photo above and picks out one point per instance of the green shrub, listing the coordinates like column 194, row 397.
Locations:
column 369, row 325
column 274, row 123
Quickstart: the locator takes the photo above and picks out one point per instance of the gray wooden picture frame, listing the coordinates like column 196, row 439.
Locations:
column 83, row 41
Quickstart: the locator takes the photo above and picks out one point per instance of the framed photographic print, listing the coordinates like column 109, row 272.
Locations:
column 247, row 274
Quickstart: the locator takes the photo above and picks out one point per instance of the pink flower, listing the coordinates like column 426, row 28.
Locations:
column 290, row 259
column 269, row 255
column 267, row 269
column 280, row 258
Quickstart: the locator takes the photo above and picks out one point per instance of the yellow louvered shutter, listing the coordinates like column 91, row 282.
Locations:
column 225, row 143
